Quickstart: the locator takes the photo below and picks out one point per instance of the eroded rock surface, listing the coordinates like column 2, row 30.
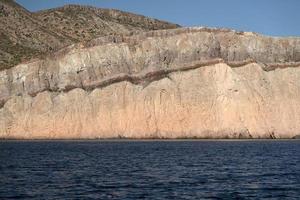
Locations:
column 179, row 83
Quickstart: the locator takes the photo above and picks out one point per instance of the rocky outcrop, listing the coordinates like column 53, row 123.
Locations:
column 179, row 83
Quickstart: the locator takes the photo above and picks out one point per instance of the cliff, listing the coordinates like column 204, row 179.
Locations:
column 178, row 83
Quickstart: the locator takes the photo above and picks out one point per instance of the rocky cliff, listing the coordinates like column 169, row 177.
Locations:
column 178, row 83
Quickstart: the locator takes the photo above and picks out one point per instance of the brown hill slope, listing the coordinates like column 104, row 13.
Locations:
column 85, row 22
column 24, row 35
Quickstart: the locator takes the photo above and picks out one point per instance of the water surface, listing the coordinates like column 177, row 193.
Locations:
column 150, row 169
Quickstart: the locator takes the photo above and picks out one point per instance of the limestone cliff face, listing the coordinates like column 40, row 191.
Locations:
column 181, row 83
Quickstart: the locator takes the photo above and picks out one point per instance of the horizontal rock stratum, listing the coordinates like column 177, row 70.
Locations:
column 178, row 83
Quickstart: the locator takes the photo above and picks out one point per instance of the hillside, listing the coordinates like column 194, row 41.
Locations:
column 85, row 22
column 24, row 35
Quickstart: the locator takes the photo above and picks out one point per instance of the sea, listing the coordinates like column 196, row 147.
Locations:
column 151, row 169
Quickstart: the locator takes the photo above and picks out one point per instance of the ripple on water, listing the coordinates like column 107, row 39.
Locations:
column 152, row 169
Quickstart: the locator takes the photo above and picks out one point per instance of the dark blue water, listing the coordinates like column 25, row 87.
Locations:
column 150, row 170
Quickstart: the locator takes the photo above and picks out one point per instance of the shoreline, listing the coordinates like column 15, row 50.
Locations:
column 151, row 140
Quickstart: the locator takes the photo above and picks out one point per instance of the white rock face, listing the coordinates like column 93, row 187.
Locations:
column 163, row 84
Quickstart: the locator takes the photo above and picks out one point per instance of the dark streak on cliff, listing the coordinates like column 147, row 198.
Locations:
column 144, row 78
